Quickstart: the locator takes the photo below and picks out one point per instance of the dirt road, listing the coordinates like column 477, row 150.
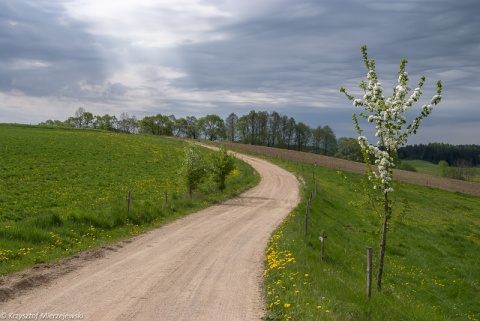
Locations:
column 207, row 266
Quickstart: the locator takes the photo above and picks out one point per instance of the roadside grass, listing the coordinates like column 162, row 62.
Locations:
column 432, row 260
column 63, row 191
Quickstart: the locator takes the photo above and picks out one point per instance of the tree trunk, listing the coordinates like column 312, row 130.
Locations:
column 383, row 244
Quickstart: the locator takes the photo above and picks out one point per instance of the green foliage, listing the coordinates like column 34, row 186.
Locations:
column 348, row 148
column 436, row 152
column 212, row 127
column 222, row 165
column 157, row 125
column 195, row 169
column 432, row 269
column 443, row 168
column 201, row 168
column 64, row 190
column 406, row 166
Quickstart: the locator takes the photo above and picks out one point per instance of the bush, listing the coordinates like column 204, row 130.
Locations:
column 407, row 167
column 195, row 171
column 222, row 165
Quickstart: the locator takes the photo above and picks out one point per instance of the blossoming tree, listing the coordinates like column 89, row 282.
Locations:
column 387, row 114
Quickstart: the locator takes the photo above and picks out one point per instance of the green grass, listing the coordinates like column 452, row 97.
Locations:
column 425, row 167
column 432, row 260
column 65, row 190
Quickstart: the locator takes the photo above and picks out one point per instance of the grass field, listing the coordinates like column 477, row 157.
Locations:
column 65, row 190
column 433, row 169
column 432, row 259
column 424, row 167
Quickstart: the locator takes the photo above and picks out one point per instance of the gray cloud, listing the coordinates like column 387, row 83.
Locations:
column 219, row 56
column 44, row 52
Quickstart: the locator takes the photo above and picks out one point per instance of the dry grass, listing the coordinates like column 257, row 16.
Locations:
column 448, row 184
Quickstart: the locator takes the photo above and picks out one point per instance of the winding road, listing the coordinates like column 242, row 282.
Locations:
column 206, row 266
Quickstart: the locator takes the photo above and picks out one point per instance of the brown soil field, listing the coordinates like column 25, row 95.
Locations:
column 452, row 185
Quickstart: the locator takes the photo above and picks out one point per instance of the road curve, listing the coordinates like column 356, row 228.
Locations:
column 206, row 266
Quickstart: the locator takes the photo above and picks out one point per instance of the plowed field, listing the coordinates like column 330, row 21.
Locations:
column 448, row 184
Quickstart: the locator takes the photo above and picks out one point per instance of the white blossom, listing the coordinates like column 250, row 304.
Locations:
column 436, row 99
column 357, row 102
column 389, row 119
column 388, row 190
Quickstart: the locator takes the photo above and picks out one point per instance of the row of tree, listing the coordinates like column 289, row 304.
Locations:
column 265, row 129
column 276, row 130
column 454, row 155
column 256, row 128
column 84, row 119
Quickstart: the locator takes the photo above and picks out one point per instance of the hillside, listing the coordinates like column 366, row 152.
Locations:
column 64, row 190
column 448, row 184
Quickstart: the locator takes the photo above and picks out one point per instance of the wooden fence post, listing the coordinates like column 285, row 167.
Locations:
column 322, row 238
column 369, row 272
column 306, row 219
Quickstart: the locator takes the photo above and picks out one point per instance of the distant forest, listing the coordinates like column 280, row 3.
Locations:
column 264, row 129
column 454, row 155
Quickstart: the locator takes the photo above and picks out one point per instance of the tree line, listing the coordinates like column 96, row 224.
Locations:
column 257, row 128
column 83, row 119
column 265, row 129
column 454, row 155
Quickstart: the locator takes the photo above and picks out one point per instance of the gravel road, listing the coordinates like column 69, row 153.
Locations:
column 207, row 266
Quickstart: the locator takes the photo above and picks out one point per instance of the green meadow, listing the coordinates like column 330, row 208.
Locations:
column 432, row 268
column 425, row 167
column 65, row 190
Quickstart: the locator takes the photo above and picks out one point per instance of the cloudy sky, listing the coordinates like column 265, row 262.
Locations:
column 199, row 57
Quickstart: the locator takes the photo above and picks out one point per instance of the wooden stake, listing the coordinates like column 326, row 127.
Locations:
column 129, row 200
column 322, row 238
column 306, row 219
